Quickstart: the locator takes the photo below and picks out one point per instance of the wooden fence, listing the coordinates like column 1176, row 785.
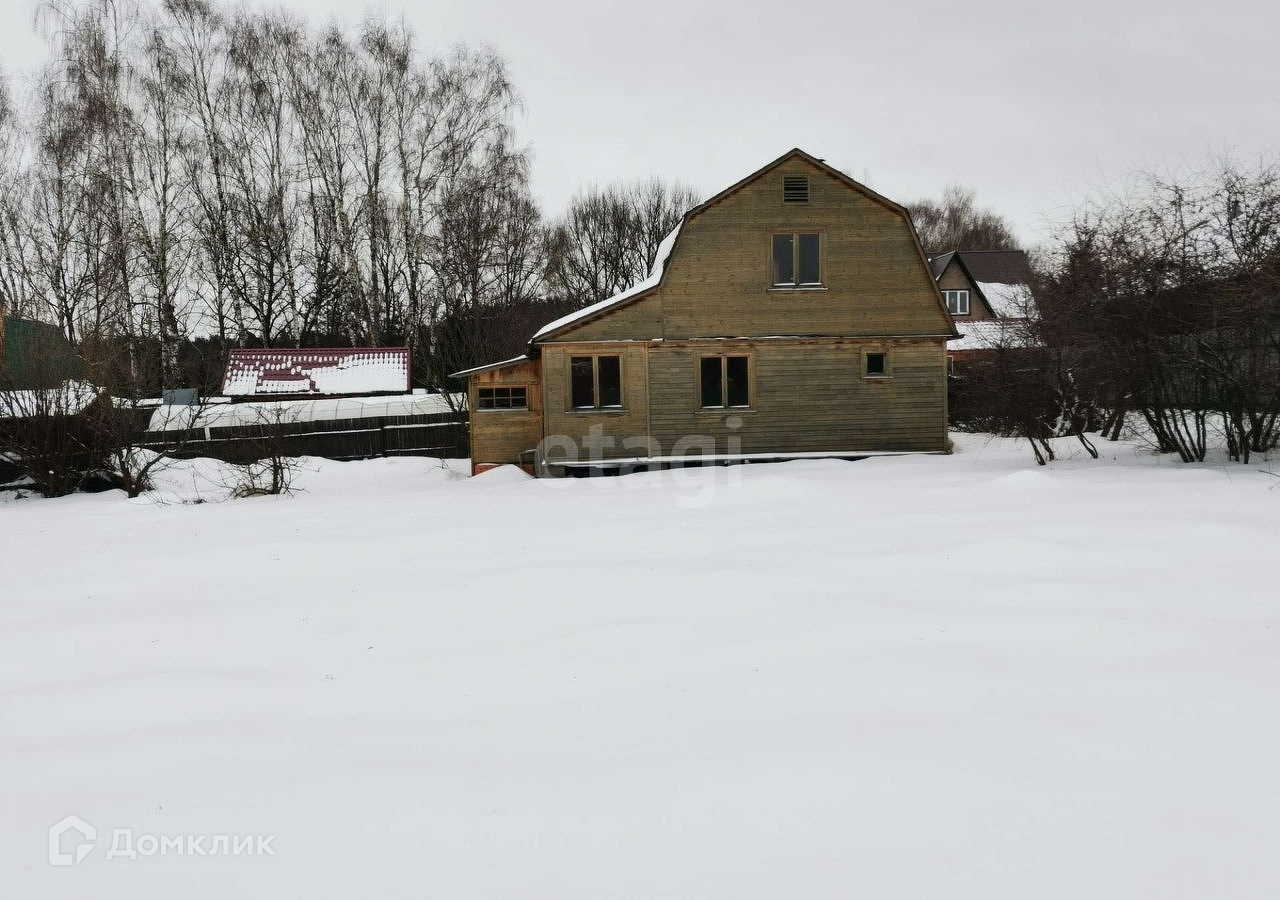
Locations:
column 437, row 434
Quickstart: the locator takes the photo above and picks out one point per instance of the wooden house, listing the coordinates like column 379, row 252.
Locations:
column 988, row 294
column 35, row 355
column 793, row 314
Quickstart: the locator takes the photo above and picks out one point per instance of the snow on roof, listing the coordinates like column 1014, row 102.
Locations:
column 227, row 415
column 343, row 370
column 655, row 276
column 69, row 399
column 992, row 334
column 515, row 360
column 1008, row 301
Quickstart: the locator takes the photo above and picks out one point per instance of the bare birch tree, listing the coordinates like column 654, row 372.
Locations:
column 607, row 239
column 956, row 222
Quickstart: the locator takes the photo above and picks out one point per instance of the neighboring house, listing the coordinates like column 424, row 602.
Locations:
column 988, row 295
column 35, row 354
column 792, row 314
column 45, row 405
column 329, row 372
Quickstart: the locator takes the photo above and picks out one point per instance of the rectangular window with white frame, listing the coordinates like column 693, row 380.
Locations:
column 957, row 302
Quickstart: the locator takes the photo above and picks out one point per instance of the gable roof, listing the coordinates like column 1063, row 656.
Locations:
column 319, row 371
column 668, row 246
column 36, row 354
column 999, row 277
column 938, row 263
column 821, row 164
column 1001, row 266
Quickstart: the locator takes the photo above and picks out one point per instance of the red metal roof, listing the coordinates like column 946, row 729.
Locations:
column 319, row 372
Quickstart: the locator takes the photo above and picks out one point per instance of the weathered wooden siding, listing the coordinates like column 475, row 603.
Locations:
column 501, row 435
column 640, row 320
column 625, row 426
column 809, row 396
column 954, row 279
column 717, row 282
column 806, row 345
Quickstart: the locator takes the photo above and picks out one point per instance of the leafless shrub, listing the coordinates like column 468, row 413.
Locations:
column 1168, row 298
column 1022, row 391
column 266, row 466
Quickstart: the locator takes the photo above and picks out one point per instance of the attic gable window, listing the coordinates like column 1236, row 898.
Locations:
column 797, row 260
column 795, row 188
column 957, row 302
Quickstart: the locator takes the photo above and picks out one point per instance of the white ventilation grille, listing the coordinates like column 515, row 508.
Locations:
column 795, row 188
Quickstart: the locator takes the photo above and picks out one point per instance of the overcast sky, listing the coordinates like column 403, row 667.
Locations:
column 1032, row 105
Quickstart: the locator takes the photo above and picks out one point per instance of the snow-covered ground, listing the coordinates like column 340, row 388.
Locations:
column 907, row 677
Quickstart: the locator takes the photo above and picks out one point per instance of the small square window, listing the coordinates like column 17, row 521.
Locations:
column 876, row 365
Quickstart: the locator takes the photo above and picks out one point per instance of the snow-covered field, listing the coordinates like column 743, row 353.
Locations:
column 912, row 677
